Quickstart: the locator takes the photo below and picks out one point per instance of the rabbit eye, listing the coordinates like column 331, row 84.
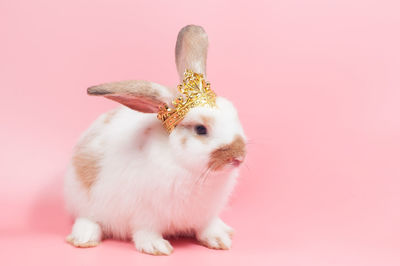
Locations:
column 200, row 130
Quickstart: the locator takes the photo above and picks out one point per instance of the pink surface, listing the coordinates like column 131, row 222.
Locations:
column 317, row 87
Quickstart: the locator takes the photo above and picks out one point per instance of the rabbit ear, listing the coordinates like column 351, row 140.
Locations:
column 142, row 96
column 191, row 50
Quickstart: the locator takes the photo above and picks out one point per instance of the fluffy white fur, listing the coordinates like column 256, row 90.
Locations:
column 151, row 184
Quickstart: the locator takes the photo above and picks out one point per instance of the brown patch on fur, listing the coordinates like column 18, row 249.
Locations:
column 207, row 120
column 109, row 116
column 225, row 154
column 144, row 137
column 183, row 141
column 203, row 139
column 147, row 131
column 86, row 163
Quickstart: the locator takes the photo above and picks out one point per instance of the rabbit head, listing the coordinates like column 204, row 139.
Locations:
column 208, row 137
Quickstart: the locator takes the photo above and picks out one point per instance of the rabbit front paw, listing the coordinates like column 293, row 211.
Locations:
column 151, row 243
column 217, row 235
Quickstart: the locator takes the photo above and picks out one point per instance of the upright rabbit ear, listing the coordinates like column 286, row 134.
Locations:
column 142, row 96
column 191, row 50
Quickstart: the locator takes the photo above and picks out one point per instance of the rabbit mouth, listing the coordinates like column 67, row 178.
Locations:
column 236, row 162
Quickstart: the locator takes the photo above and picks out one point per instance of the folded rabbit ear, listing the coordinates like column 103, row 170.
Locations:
column 142, row 96
column 191, row 50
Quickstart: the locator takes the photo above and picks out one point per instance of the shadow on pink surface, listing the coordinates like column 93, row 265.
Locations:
column 47, row 214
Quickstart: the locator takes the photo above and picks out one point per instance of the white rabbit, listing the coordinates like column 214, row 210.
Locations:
column 130, row 179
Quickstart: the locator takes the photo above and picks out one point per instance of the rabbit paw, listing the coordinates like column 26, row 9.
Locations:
column 151, row 243
column 217, row 235
column 85, row 234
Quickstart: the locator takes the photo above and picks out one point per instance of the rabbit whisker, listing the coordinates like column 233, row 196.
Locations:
column 203, row 175
column 206, row 174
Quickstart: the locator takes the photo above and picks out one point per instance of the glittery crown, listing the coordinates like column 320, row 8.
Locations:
column 195, row 91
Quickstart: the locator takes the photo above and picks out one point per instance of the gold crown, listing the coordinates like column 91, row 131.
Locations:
column 195, row 92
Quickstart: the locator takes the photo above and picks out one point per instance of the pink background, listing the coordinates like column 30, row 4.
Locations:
column 318, row 91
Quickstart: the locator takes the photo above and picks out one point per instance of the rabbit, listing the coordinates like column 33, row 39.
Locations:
column 130, row 179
